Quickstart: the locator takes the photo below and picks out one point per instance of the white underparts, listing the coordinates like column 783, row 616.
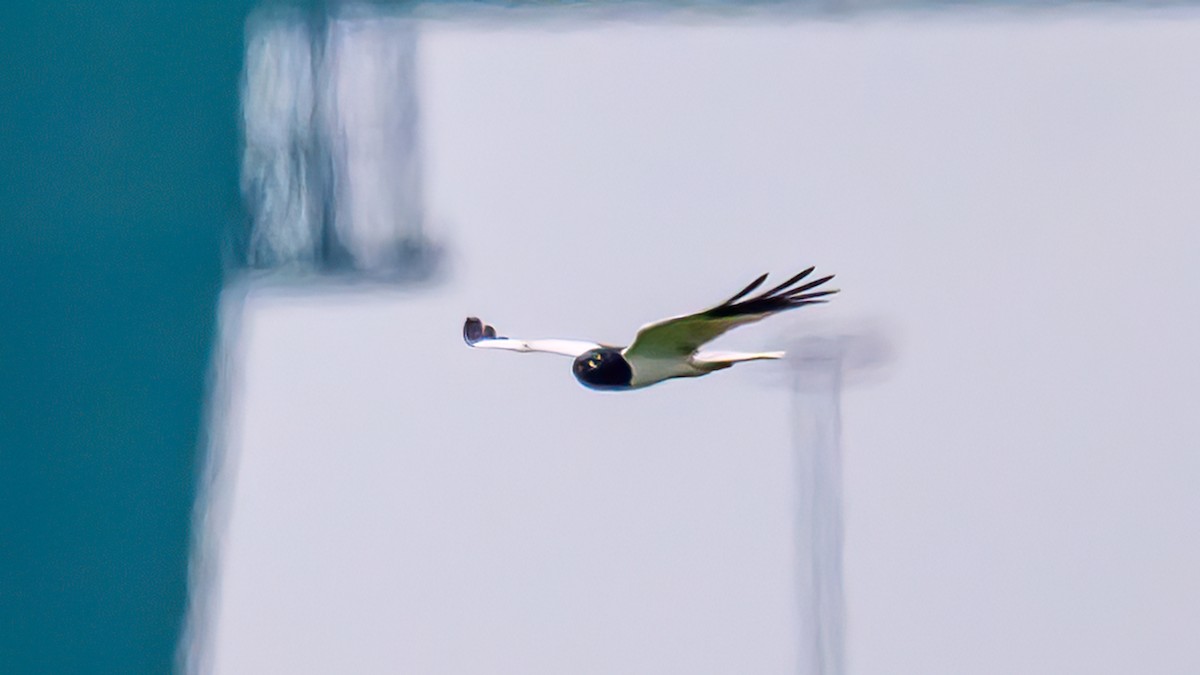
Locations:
column 648, row 371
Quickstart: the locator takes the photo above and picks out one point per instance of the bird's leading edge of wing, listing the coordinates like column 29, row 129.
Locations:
column 681, row 335
column 480, row 335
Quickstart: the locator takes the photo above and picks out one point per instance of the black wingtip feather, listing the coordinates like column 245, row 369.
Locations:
column 753, row 285
column 475, row 330
column 778, row 299
column 816, row 294
column 809, row 285
column 789, row 282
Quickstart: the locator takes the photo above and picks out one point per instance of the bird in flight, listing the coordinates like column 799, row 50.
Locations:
column 669, row 348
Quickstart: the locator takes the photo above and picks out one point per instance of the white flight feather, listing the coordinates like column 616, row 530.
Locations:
column 572, row 348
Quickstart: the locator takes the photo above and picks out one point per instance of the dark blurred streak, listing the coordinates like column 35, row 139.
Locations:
column 822, row 363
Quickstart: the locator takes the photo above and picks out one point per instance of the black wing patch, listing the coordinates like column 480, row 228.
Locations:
column 475, row 330
column 784, row 296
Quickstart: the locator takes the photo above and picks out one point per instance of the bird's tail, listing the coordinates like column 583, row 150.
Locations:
column 718, row 360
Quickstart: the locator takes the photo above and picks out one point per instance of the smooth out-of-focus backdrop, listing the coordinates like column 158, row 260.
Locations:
column 1008, row 200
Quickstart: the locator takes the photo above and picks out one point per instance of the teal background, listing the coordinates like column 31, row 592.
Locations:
column 118, row 180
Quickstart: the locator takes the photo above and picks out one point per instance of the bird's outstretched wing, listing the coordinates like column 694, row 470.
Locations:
column 482, row 336
column 679, row 336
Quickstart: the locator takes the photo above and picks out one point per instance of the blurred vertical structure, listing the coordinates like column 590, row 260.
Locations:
column 331, row 167
column 332, row 184
column 281, row 166
column 816, row 418
column 822, row 365
column 331, row 180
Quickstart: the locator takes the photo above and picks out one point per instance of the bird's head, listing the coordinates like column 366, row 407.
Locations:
column 603, row 368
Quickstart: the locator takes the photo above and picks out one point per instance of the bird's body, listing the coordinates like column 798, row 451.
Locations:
column 652, row 370
column 666, row 349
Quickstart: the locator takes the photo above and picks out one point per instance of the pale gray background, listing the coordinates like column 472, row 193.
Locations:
column 1013, row 199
